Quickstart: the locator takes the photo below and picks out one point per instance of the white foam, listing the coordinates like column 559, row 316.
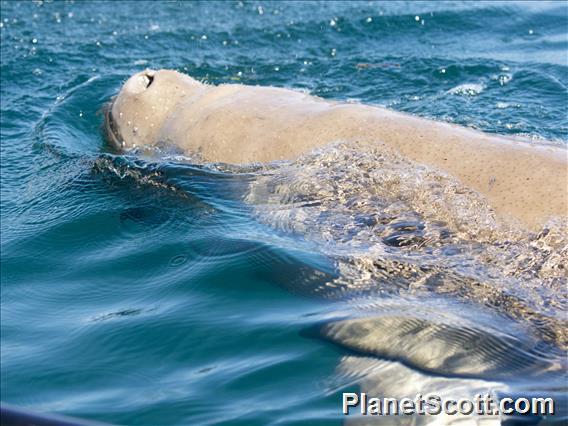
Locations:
column 467, row 89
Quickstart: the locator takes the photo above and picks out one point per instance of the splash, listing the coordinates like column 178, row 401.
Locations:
column 395, row 227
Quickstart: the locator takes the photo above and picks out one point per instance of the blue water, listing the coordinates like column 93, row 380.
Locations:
column 161, row 292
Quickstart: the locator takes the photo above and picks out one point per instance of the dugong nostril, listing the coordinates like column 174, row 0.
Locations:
column 150, row 78
column 138, row 83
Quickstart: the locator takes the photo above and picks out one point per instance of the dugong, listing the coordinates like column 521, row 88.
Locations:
column 233, row 123
column 410, row 341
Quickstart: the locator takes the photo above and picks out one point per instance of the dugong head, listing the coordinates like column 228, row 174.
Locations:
column 137, row 114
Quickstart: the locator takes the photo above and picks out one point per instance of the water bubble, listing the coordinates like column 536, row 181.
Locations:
column 34, row 41
column 333, row 52
column 203, row 37
column 276, row 68
column 531, row 32
column 417, row 18
column 80, row 113
column 443, row 71
column 369, row 20
column 504, row 79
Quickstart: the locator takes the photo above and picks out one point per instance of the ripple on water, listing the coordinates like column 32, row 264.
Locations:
column 147, row 291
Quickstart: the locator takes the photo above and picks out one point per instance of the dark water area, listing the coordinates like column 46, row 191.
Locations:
column 157, row 291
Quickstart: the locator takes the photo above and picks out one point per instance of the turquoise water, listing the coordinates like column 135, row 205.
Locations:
column 156, row 291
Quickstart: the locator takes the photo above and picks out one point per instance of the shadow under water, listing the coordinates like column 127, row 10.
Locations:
column 427, row 289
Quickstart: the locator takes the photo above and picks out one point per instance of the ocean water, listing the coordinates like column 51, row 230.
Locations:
column 157, row 291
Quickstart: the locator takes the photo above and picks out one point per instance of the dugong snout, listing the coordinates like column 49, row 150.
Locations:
column 137, row 114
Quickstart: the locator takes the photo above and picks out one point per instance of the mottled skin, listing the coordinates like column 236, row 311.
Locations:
column 241, row 124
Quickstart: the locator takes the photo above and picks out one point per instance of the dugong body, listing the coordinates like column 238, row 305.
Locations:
column 242, row 124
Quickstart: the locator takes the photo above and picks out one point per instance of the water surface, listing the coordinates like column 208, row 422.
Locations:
column 154, row 290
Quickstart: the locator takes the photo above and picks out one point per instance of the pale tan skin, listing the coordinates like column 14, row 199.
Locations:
column 242, row 124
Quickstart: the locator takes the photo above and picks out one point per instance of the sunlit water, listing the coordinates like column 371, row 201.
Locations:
column 153, row 290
